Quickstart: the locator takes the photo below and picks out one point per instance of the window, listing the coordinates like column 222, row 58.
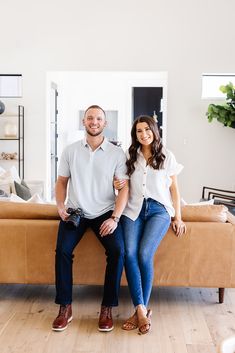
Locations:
column 212, row 82
column 10, row 85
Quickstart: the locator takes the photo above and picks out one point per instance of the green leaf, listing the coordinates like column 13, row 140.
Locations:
column 223, row 89
column 224, row 113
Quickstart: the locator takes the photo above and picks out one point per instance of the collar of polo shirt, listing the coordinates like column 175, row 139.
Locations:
column 103, row 145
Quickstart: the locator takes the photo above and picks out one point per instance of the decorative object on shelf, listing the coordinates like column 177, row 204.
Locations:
column 2, row 107
column 155, row 116
column 10, row 130
column 9, row 156
column 224, row 113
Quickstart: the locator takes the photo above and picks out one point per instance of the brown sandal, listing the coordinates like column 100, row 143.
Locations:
column 131, row 323
column 144, row 324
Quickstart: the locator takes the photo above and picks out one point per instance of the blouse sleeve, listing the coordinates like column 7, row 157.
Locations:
column 64, row 169
column 172, row 166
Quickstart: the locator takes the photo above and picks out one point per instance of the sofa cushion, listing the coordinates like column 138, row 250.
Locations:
column 12, row 210
column 204, row 213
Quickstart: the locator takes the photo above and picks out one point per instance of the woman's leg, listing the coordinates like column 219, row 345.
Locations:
column 157, row 221
column 132, row 231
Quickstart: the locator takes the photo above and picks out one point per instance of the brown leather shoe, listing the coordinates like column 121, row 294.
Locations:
column 105, row 319
column 64, row 317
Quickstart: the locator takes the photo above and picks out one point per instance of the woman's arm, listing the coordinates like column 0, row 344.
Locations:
column 177, row 224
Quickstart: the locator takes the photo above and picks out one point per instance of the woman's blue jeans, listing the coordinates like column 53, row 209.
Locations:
column 142, row 238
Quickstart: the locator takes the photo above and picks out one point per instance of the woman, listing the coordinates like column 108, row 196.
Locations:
column 154, row 199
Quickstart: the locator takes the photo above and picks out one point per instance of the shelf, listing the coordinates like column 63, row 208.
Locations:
column 15, row 141
column 11, row 160
column 9, row 139
column 9, row 116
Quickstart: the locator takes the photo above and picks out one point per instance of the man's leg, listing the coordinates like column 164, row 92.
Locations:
column 114, row 250
column 68, row 238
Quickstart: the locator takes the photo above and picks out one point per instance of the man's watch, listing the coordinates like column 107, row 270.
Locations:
column 116, row 219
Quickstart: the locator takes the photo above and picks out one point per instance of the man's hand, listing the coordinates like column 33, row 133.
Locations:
column 108, row 227
column 63, row 213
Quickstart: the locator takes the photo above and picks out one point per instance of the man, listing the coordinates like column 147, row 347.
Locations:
column 89, row 165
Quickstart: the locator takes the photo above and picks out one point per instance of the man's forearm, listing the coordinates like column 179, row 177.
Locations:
column 60, row 191
column 60, row 195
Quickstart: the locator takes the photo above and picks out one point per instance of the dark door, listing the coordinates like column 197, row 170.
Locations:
column 147, row 101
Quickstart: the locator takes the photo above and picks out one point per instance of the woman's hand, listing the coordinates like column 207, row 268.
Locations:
column 119, row 183
column 179, row 227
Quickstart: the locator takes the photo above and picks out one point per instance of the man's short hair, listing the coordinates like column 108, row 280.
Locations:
column 94, row 106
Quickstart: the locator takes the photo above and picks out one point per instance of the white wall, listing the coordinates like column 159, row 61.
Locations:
column 185, row 38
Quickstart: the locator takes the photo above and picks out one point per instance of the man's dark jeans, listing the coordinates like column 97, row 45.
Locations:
column 68, row 238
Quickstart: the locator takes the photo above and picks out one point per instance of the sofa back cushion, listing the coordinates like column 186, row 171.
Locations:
column 17, row 210
column 190, row 213
column 204, row 213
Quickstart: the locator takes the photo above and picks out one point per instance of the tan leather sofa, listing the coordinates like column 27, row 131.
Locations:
column 204, row 257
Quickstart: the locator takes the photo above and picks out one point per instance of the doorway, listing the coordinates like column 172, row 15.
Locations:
column 123, row 95
column 53, row 137
column 147, row 101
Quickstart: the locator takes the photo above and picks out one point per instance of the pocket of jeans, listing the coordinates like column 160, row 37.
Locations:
column 159, row 208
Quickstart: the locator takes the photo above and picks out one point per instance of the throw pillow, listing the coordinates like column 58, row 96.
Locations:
column 3, row 193
column 201, row 203
column 22, row 190
column 5, row 185
column 15, row 198
column 34, row 199
column 182, row 202
column 2, row 170
column 230, row 218
column 7, row 179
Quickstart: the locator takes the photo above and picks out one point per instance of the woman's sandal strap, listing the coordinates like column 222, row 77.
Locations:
column 146, row 321
column 132, row 321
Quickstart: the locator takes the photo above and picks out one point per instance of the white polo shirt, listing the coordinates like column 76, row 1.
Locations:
column 147, row 182
column 91, row 175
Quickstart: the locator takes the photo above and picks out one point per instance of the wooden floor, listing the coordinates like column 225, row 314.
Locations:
column 185, row 320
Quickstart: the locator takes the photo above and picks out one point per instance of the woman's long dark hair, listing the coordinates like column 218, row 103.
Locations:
column 157, row 158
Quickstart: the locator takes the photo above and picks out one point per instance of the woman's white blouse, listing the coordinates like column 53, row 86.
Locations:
column 147, row 182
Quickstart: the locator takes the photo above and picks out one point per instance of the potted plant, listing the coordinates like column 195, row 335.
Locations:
column 224, row 113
